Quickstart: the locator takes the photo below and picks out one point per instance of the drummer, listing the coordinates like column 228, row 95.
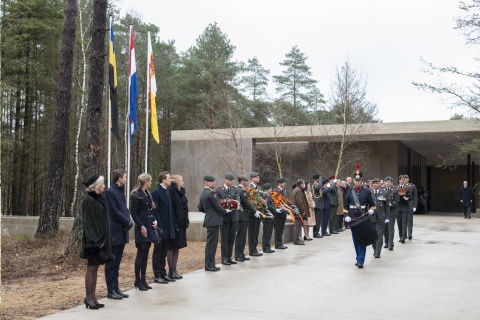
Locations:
column 358, row 202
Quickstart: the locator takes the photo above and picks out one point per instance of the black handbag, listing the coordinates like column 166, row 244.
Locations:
column 159, row 234
column 365, row 231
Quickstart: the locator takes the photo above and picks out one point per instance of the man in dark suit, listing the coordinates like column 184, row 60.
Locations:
column 317, row 198
column 405, row 193
column 392, row 201
column 466, row 199
column 120, row 223
column 380, row 214
column 254, row 220
column 246, row 211
column 213, row 220
column 280, row 216
column 229, row 226
column 413, row 203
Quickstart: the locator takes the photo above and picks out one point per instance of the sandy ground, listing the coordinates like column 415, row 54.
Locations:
column 38, row 280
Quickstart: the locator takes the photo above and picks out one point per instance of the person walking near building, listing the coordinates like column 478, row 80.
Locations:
column 392, row 200
column 466, row 199
column 413, row 204
column 380, row 215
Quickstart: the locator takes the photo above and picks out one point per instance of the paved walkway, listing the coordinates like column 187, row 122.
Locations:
column 434, row 276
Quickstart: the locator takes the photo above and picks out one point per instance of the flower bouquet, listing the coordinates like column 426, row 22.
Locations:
column 280, row 201
column 229, row 204
column 256, row 200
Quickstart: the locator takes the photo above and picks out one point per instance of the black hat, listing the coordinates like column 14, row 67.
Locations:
column 316, row 177
column 91, row 180
column 281, row 180
column 267, row 186
column 375, row 180
column 229, row 176
column 242, row 178
column 388, row 178
column 209, row 178
column 254, row 174
column 358, row 174
column 325, row 181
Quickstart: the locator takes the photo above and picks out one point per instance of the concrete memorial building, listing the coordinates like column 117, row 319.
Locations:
column 413, row 148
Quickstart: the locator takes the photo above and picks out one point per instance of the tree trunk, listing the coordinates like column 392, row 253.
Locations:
column 91, row 157
column 49, row 218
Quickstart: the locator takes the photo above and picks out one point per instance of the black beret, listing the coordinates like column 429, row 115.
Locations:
column 281, row 180
column 242, row 178
column 316, row 177
column 229, row 176
column 254, row 174
column 267, row 186
column 375, row 180
column 325, row 181
column 209, row 178
column 91, row 180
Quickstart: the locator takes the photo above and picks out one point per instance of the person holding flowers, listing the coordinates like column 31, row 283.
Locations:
column 268, row 223
column 244, row 213
column 254, row 220
column 299, row 199
column 280, row 218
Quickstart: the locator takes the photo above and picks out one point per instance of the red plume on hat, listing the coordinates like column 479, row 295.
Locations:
column 358, row 173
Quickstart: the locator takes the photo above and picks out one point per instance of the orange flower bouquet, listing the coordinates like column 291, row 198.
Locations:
column 256, row 200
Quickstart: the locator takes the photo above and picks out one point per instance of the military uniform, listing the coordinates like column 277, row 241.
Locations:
column 392, row 200
column 403, row 211
column 333, row 209
column 325, row 209
column 413, row 203
column 317, row 198
column 213, row 220
column 381, row 213
column 253, row 230
column 246, row 211
column 279, row 222
column 268, row 225
column 229, row 226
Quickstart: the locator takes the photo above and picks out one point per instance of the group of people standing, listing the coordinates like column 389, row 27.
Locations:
column 159, row 217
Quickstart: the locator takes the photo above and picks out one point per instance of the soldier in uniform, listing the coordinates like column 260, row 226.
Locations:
column 268, row 223
column 405, row 193
column 317, row 198
column 229, row 226
column 380, row 215
column 326, row 191
column 392, row 200
column 413, row 203
column 246, row 211
column 280, row 217
column 213, row 220
column 254, row 220
column 333, row 205
column 357, row 202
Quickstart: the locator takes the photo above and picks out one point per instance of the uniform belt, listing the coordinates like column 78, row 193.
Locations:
column 354, row 207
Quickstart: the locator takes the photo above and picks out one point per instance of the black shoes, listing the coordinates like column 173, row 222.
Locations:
column 226, row 262
column 317, row 235
column 232, row 261
column 174, row 275
column 240, row 259
column 246, row 258
column 385, row 246
column 334, row 232
column 401, row 240
column 307, row 239
column 120, row 293
column 91, row 306
column 167, row 278
column 114, row 295
column 282, row 247
column 213, row 269
column 409, row 238
column 468, row 217
column 269, row 251
column 299, row 243
column 376, row 256
column 160, row 280
column 326, row 234
column 139, row 285
column 145, row 284
column 256, row 254
column 391, row 248
column 360, row 266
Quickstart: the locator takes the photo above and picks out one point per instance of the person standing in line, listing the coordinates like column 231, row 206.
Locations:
column 168, row 220
column 96, row 237
column 280, row 218
column 341, row 199
column 299, row 199
column 120, row 224
column 229, row 226
column 268, row 223
column 254, row 220
column 326, row 191
column 142, row 210
column 466, row 199
column 413, row 203
column 243, row 219
column 317, row 198
column 333, row 205
column 210, row 205
column 310, row 221
column 180, row 208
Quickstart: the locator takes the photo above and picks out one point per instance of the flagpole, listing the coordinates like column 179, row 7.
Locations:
column 129, row 137
column 109, row 157
column 148, row 107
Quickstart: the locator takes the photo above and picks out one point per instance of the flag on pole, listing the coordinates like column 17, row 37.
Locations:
column 133, row 88
column 112, row 81
column 152, row 92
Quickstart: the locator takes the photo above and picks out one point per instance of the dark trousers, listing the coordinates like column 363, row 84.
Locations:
column 267, row 234
column 253, row 231
column 331, row 219
column 211, row 246
column 377, row 246
column 228, row 231
column 112, row 267
column 159, row 260
column 318, row 221
column 466, row 211
column 402, row 220
column 241, row 239
column 279, row 225
column 410, row 223
column 338, row 222
column 391, row 231
column 325, row 219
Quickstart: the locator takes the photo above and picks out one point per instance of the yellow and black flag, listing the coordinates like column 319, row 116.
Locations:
column 112, row 80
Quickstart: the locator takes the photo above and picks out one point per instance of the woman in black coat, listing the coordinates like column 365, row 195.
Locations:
column 96, row 236
column 180, row 207
column 141, row 209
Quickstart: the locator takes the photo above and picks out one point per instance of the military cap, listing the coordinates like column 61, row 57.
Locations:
column 91, row 180
column 229, row 176
column 316, row 177
column 358, row 174
column 242, row 178
column 375, row 180
column 209, row 178
column 331, row 178
column 325, row 181
column 267, row 186
column 400, row 177
column 281, row 180
column 254, row 174
column 388, row 178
